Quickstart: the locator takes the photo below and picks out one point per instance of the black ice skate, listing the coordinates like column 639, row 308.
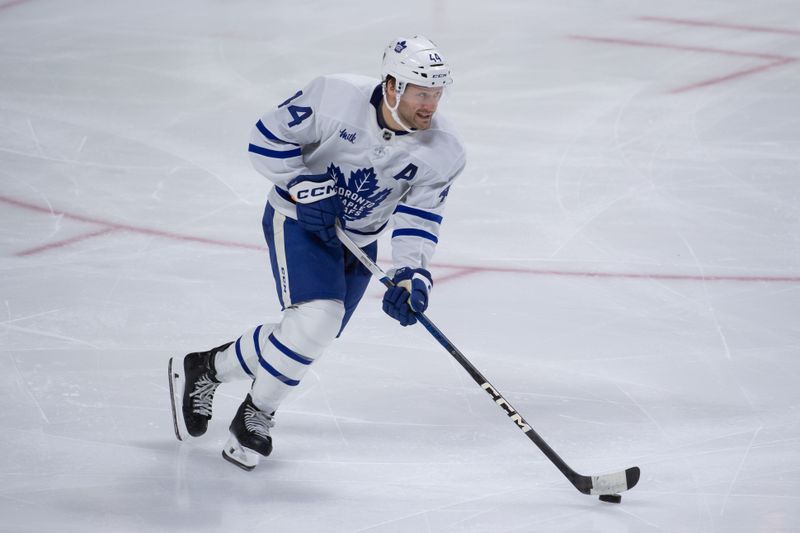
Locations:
column 249, row 440
column 192, row 383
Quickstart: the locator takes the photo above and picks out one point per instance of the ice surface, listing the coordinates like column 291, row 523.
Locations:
column 621, row 258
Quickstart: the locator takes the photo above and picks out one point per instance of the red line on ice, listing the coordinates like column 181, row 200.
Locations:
column 65, row 242
column 12, row 3
column 732, row 75
column 721, row 25
column 127, row 227
column 775, row 60
column 460, row 271
column 615, row 275
column 687, row 48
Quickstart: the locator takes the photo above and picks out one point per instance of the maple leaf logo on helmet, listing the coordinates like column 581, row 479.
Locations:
column 400, row 46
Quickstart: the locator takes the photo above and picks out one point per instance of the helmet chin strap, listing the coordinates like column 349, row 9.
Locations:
column 400, row 87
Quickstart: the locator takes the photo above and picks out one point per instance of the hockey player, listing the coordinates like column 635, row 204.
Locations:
column 345, row 149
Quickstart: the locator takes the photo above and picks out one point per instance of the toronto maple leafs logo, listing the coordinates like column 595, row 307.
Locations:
column 400, row 46
column 359, row 193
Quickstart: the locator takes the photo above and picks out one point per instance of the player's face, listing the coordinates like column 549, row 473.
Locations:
column 418, row 104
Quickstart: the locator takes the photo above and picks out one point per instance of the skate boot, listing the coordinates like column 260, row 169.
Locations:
column 249, row 440
column 192, row 383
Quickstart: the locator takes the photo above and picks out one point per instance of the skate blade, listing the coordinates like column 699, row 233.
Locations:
column 235, row 453
column 176, row 386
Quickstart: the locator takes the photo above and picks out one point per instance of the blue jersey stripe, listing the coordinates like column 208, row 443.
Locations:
column 275, row 154
column 288, row 352
column 359, row 232
column 410, row 232
column 271, row 136
column 419, row 213
column 241, row 358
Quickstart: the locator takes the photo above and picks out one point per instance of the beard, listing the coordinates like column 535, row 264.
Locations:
column 415, row 119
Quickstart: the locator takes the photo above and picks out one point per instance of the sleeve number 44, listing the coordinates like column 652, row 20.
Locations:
column 299, row 113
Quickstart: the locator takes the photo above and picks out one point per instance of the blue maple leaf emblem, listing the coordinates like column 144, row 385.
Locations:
column 359, row 194
column 400, row 46
column 364, row 181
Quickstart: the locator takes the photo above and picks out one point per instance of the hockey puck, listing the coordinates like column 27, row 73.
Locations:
column 611, row 498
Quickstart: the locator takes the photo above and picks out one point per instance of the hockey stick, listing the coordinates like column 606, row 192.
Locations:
column 603, row 485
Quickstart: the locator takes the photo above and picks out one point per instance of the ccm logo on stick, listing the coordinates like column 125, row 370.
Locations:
column 512, row 414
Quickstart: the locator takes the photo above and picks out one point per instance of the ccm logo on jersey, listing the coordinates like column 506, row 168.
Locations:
column 305, row 192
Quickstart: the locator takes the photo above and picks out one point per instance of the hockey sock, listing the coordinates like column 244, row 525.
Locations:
column 240, row 360
column 286, row 354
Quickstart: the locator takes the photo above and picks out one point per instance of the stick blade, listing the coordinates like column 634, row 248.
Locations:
column 616, row 482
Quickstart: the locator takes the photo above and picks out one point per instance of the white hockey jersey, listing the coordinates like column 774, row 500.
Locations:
column 332, row 126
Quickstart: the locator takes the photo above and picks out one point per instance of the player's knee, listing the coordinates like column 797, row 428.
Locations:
column 312, row 326
column 321, row 319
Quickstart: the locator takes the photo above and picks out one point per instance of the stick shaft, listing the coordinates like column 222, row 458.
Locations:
column 480, row 379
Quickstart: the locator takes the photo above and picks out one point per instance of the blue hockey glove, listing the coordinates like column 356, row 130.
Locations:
column 409, row 294
column 318, row 205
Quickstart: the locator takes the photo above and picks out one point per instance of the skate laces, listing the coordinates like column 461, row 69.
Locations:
column 257, row 422
column 203, row 395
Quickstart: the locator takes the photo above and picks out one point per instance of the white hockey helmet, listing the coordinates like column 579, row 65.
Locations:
column 415, row 60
